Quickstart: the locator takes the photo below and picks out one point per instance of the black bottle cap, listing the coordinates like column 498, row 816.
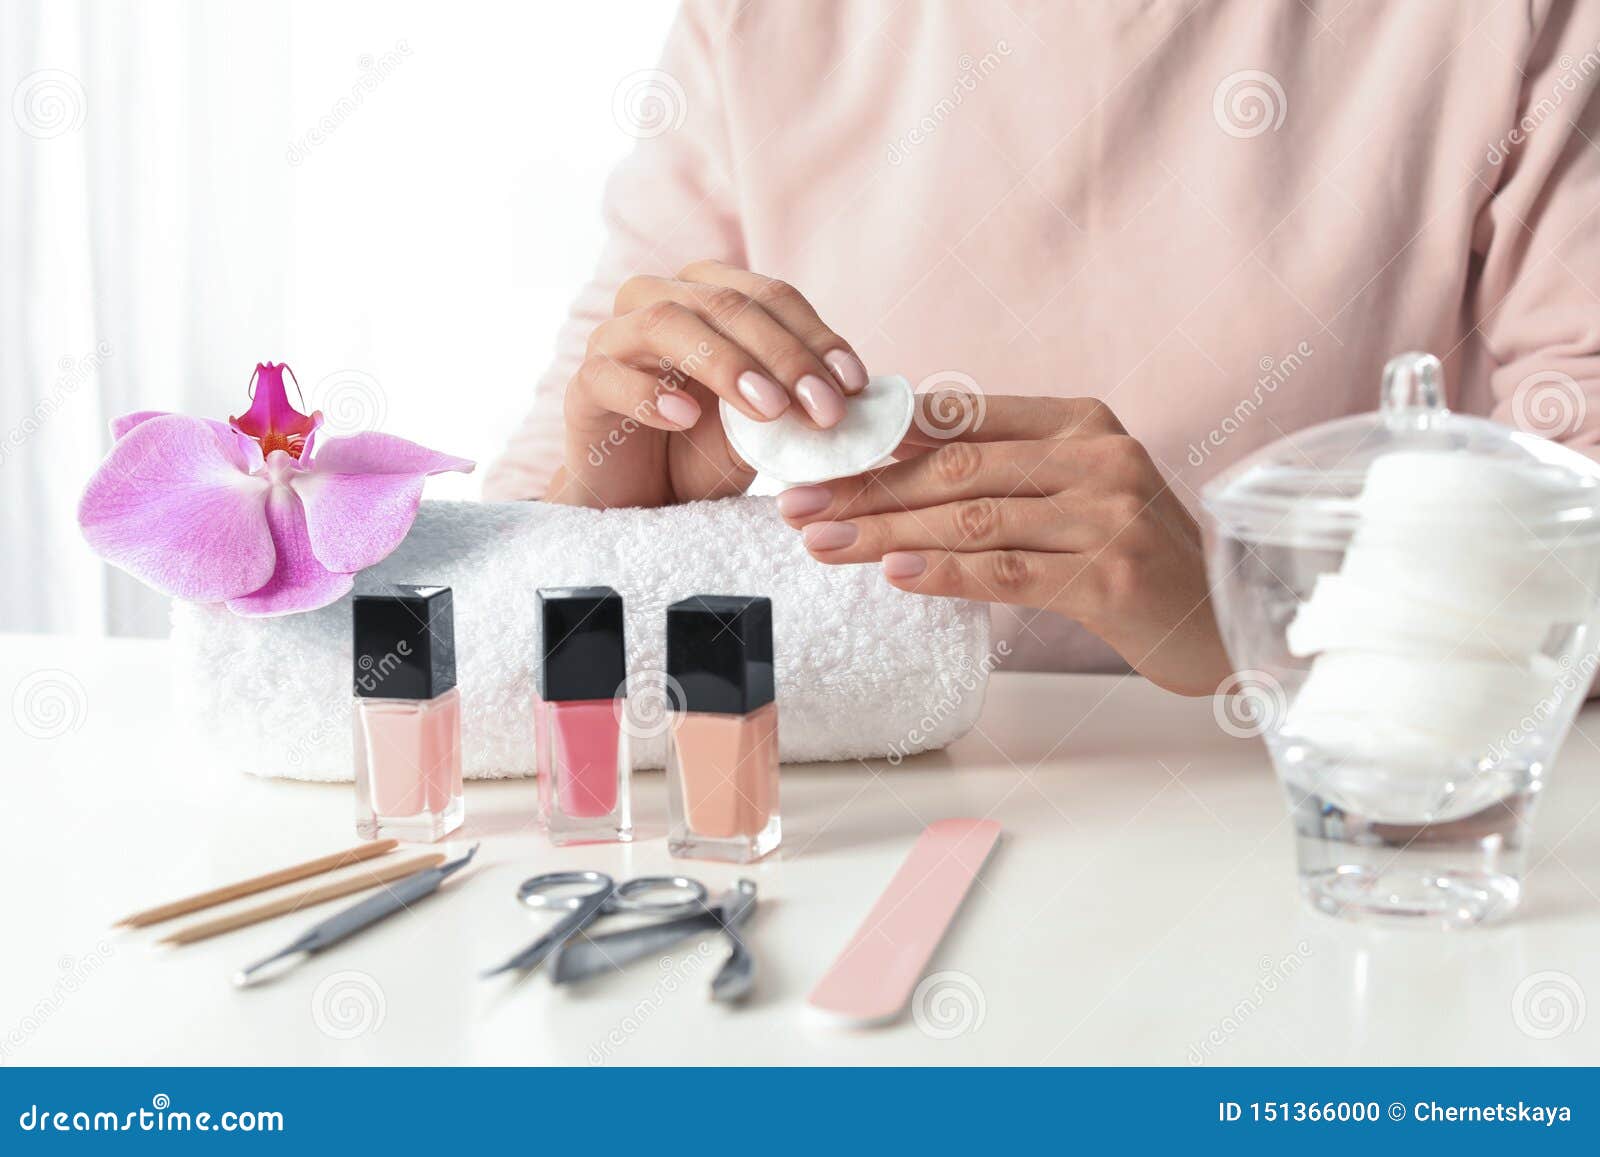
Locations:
column 719, row 651
column 581, row 644
column 405, row 642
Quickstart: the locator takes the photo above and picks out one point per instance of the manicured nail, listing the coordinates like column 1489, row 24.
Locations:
column 679, row 410
column 820, row 400
column 804, row 501
column 848, row 369
column 900, row 565
column 763, row 393
column 829, row 535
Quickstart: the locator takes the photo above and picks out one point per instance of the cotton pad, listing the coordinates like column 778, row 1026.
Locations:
column 1389, row 731
column 790, row 449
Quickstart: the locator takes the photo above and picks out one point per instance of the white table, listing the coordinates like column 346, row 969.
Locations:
column 1140, row 909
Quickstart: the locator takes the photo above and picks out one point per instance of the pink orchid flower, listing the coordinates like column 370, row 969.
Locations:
column 263, row 512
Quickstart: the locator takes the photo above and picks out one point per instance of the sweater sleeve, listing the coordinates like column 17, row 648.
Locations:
column 1539, row 238
column 672, row 201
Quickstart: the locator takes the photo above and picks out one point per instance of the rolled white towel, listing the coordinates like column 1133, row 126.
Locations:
column 863, row 670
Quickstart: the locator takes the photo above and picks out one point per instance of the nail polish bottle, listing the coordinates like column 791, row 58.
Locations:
column 578, row 712
column 407, row 714
column 722, row 760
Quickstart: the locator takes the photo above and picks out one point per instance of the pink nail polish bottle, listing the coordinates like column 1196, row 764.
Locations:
column 407, row 714
column 582, row 747
column 722, row 759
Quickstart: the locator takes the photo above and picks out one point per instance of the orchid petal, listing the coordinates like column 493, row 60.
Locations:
column 361, row 495
column 120, row 426
column 175, row 505
column 375, row 453
column 300, row 582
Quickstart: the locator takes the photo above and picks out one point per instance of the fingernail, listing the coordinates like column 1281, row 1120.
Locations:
column 820, row 400
column 900, row 565
column 848, row 369
column 679, row 410
column 763, row 393
column 829, row 535
column 804, row 501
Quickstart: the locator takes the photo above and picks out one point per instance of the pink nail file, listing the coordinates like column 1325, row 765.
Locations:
column 874, row 977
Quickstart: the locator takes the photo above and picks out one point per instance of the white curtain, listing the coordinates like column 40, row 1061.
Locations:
column 396, row 199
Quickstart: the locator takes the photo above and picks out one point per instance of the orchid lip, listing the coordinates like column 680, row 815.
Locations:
column 272, row 419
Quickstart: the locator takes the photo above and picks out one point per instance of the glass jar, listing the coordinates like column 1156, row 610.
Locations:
column 1408, row 598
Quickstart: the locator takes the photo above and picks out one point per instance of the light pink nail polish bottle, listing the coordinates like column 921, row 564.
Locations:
column 407, row 714
column 722, row 761
column 582, row 745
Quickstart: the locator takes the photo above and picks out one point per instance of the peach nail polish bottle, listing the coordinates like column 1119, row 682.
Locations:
column 722, row 761
column 582, row 749
column 407, row 714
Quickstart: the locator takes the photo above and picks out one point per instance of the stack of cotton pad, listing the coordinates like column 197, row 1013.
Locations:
column 1430, row 638
column 790, row 449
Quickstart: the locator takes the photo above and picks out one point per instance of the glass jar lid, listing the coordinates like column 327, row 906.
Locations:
column 1413, row 464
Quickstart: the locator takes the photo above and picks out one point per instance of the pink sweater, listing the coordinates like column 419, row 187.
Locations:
column 1218, row 217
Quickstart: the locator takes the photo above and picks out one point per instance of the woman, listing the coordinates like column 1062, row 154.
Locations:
column 1143, row 241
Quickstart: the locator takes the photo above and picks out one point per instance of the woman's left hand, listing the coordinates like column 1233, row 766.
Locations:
column 1044, row 502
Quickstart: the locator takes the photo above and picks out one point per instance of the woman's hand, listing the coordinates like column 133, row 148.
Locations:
column 641, row 412
column 1046, row 502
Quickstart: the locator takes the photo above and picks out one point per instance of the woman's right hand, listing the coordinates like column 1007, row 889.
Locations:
column 642, row 427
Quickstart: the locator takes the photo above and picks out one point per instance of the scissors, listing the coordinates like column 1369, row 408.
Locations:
column 598, row 895
column 596, row 955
